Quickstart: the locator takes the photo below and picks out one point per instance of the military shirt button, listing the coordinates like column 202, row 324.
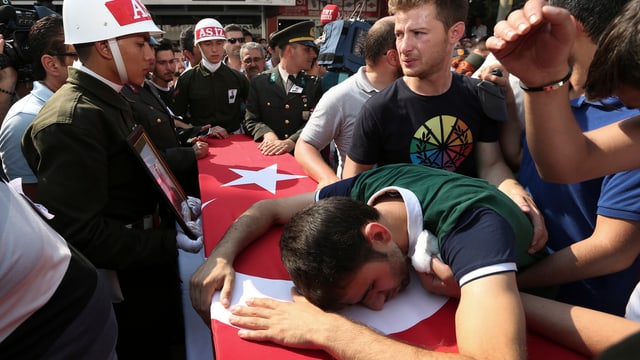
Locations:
column 286, row 122
column 158, row 120
column 268, row 103
column 286, row 136
column 287, row 107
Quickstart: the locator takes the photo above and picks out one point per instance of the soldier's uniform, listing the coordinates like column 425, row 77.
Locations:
column 271, row 107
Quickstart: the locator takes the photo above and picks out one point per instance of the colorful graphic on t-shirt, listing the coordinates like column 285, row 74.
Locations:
column 442, row 142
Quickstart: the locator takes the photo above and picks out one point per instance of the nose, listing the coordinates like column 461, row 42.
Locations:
column 375, row 300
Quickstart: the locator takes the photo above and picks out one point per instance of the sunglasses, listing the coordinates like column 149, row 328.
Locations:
column 234, row 40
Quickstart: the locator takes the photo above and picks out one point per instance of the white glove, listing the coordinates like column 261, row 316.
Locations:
column 184, row 242
column 426, row 248
column 195, row 205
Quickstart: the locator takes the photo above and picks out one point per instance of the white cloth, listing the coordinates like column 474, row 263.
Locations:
column 633, row 306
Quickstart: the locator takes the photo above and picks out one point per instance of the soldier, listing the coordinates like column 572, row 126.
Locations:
column 282, row 99
column 211, row 93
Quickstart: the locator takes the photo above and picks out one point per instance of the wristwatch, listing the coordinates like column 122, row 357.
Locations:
column 4, row 61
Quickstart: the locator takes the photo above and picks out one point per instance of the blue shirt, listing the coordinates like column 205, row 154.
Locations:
column 570, row 211
column 20, row 115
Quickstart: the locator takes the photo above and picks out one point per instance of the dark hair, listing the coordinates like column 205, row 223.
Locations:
column 380, row 39
column 45, row 37
column 187, row 38
column 448, row 12
column 233, row 27
column 594, row 15
column 323, row 245
column 165, row 44
column 615, row 62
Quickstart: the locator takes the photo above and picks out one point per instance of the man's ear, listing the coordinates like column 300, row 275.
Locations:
column 392, row 58
column 103, row 49
column 49, row 63
column 456, row 32
column 377, row 234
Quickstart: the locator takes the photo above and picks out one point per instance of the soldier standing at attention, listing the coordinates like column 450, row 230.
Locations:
column 282, row 99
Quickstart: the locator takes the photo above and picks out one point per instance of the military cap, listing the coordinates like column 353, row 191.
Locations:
column 301, row 33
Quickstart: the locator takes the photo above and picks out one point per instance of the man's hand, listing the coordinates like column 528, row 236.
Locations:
column 215, row 274
column 276, row 147
column 440, row 280
column 540, row 234
column 292, row 324
column 218, row 132
column 201, row 149
column 534, row 43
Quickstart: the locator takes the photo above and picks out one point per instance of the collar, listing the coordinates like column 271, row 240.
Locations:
column 111, row 84
column 414, row 213
column 362, row 82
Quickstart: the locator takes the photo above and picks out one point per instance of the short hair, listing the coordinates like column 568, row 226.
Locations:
column 449, row 12
column 246, row 32
column 165, row 44
column 380, row 39
column 594, row 15
column 233, row 27
column 323, row 246
column 46, row 36
column 615, row 62
column 187, row 38
column 250, row 46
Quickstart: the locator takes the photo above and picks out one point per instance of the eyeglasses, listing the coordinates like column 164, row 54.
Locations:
column 67, row 54
column 254, row 59
column 234, row 40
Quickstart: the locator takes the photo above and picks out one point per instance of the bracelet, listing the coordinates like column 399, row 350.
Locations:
column 12, row 93
column 546, row 88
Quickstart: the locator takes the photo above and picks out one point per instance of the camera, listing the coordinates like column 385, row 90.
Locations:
column 15, row 24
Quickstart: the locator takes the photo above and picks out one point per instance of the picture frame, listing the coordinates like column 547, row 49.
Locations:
column 157, row 169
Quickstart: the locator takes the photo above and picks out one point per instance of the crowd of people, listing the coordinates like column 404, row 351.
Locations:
column 501, row 172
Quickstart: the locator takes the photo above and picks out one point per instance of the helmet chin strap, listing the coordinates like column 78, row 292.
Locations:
column 117, row 58
column 208, row 64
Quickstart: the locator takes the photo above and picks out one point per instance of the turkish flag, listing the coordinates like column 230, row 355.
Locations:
column 233, row 177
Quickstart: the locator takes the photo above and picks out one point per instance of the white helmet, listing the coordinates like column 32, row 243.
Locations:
column 208, row 29
column 87, row 21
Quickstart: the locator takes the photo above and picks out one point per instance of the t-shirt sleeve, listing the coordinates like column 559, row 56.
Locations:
column 340, row 188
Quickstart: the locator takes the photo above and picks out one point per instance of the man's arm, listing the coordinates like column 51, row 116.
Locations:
column 587, row 331
column 492, row 168
column 352, row 168
column 313, row 164
column 217, row 272
column 300, row 324
column 489, row 300
column 534, row 44
column 612, row 247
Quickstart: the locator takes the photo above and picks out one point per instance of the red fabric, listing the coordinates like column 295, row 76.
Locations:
column 263, row 259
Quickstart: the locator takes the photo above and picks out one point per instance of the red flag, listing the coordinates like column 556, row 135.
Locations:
column 233, row 177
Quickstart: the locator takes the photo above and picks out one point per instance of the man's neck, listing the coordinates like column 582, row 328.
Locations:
column 393, row 215
column 234, row 63
column 379, row 78
column 288, row 67
column 160, row 83
column 432, row 85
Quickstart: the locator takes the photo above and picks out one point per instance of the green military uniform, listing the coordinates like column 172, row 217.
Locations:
column 99, row 192
column 211, row 98
column 271, row 108
column 152, row 113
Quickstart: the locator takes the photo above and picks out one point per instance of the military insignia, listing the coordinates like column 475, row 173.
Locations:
column 312, row 32
column 273, row 77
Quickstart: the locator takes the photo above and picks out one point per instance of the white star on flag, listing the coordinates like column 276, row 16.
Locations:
column 265, row 178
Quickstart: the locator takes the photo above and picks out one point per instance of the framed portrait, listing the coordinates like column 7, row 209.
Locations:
column 162, row 176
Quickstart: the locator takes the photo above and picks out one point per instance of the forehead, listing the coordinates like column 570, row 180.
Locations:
column 234, row 34
column 418, row 17
column 252, row 53
column 164, row 54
